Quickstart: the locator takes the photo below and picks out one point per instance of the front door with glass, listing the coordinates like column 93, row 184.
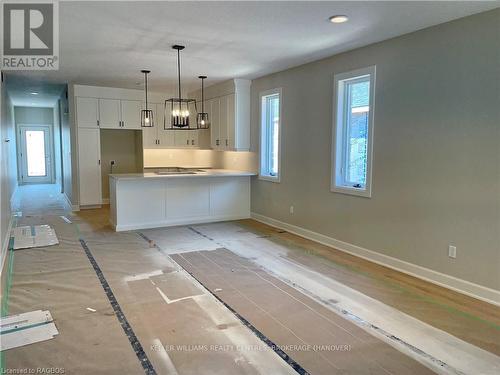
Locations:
column 36, row 154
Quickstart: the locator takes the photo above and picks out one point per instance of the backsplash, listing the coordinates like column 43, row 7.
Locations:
column 243, row 161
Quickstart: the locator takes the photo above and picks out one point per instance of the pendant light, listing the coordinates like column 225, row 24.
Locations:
column 202, row 120
column 178, row 108
column 147, row 120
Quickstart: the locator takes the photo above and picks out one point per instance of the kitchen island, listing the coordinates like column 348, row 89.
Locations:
column 151, row 200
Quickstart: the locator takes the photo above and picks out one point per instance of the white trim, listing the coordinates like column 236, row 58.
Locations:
column 337, row 138
column 172, row 223
column 462, row 286
column 262, row 94
column 73, row 207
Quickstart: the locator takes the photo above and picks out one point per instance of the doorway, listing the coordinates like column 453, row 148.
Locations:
column 36, row 154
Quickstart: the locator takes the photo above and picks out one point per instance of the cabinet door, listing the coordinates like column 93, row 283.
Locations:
column 231, row 122
column 109, row 113
column 181, row 138
column 224, row 141
column 89, row 168
column 86, row 112
column 166, row 137
column 214, row 123
column 131, row 114
column 149, row 137
column 193, row 138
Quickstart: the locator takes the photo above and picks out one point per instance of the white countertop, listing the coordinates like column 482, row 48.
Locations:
column 204, row 173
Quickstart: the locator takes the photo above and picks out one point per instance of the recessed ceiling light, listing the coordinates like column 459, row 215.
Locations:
column 34, row 93
column 339, row 18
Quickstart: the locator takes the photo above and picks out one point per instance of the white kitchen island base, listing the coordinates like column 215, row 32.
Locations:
column 139, row 201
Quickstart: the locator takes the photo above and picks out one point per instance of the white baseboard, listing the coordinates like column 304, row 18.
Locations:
column 462, row 286
column 69, row 204
column 176, row 222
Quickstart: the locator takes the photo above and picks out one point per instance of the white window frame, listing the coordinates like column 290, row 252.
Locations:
column 338, row 184
column 263, row 174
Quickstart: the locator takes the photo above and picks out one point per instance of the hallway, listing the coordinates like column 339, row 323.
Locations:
column 40, row 199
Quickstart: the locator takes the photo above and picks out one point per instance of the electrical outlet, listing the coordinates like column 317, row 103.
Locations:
column 291, row 210
column 452, row 251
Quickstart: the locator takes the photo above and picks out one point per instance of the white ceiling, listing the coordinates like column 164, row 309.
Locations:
column 22, row 88
column 107, row 43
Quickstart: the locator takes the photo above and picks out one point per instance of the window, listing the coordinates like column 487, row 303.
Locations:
column 270, row 130
column 353, row 132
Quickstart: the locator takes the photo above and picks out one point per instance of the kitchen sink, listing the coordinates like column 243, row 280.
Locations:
column 177, row 170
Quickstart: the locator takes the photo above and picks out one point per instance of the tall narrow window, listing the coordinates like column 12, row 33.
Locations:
column 270, row 130
column 353, row 130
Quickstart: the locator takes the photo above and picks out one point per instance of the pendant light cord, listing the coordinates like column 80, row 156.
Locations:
column 202, row 97
column 179, row 72
column 146, row 86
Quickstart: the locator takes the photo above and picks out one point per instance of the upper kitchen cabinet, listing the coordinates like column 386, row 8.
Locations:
column 131, row 114
column 157, row 137
column 120, row 114
column 228, row 109
column 109, row 114
column 87, row 112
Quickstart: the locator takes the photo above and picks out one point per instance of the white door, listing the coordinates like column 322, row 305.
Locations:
column 109, row 113
column 87, row 114
column 131, row 114
column 89, row 166
column 36, row 154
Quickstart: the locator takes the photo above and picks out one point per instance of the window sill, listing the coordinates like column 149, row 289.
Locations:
column 366, row 193
column 269, row 178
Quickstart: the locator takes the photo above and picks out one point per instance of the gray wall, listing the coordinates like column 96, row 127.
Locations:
column 436, row 166
column 67, row 177
column 8, row 169
column 125, row 148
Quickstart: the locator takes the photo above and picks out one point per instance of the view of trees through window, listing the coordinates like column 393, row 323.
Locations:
column 273, row 103
column 357, row 130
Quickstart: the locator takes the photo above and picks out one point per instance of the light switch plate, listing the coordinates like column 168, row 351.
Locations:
column 452, row 251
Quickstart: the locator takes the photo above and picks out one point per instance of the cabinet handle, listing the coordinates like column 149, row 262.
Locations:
column 192, row 142
column 99, row 162
column 216, row 142
column 158, row 141
column 227, row 144
column 98, row 125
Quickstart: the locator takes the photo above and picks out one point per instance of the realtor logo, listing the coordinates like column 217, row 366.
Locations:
column 30, row 39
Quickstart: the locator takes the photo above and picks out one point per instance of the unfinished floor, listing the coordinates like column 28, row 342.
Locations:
column 231, row 298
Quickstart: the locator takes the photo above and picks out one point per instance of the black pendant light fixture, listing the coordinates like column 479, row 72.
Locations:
column 202, row 120
column 177, row 109
column 147, row 120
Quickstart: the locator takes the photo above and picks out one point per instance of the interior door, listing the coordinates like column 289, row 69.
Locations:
column 36, row 154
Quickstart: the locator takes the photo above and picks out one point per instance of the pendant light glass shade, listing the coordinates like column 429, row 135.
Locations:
column 177, row 110
column 147, row 120
column 202, row 119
